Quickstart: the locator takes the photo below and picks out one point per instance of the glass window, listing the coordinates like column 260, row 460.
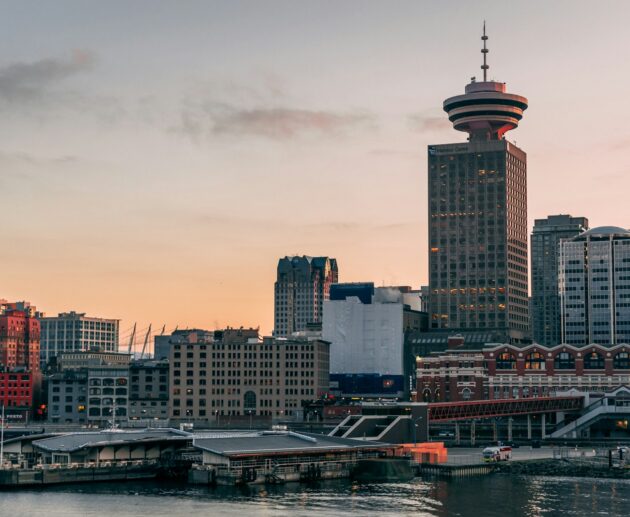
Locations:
column 506, row 361
column 564, row 361
column 593, row 361
column 535, row 361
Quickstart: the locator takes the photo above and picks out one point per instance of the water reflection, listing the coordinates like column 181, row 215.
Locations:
column 491, row 496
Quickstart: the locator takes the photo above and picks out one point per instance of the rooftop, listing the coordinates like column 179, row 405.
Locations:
column 278, row 442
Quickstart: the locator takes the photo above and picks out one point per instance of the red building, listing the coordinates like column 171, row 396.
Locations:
column 19, row 359
column 501, row 371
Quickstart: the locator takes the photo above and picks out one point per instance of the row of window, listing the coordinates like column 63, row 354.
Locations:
column 562, row 361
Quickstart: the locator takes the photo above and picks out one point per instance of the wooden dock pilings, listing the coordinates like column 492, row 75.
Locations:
column 454, row 471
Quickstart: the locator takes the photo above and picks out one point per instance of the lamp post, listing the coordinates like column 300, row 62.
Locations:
column 2, row 440
column 413, row 427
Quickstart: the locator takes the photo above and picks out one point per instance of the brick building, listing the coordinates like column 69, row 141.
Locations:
column 237, row 374
column 19, row 359
column 503, row 371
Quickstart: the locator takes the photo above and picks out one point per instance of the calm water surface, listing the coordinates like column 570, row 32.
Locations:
column 492, row 496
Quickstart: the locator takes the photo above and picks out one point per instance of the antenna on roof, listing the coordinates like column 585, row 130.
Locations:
column 484, row 51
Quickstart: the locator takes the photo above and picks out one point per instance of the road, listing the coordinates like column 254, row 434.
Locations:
column 469, row 455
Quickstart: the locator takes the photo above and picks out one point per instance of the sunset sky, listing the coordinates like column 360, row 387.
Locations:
column 157, row 158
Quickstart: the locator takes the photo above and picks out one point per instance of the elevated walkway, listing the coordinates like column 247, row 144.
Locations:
column 452, row 411
column 614, row 405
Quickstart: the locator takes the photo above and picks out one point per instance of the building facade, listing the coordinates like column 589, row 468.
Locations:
column 148, row 384
column 76, row 332
column 235, row 374
column 545, row 251
column 478, row 267
column 108, row 395
column 594, row 286
column 365, row 327
column 302, row 285
column 504, row 371
column 20, row 377
column 67, row 397
column 84, row 387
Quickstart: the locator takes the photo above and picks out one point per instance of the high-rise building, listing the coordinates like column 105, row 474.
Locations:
column 594, row 286
column 19, row 360
column 76, row 332
column 302, row 285
column 478, row 216
column 545, row 251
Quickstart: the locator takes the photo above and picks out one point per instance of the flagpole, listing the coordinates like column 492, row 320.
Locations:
column 2, row 440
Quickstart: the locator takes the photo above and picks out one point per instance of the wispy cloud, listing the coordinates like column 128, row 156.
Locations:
column 261, row 108
column 277, row 123
column 29, row 82
column 45, row 86
column 426, row 122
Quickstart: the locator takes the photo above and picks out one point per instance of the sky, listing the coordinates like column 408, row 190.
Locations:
column 158, row 158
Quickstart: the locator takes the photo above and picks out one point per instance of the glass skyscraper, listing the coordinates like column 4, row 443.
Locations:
column 545, row 252
column 595, row 287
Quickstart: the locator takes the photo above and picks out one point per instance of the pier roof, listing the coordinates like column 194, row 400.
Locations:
column 70, row 442
column 283, row 442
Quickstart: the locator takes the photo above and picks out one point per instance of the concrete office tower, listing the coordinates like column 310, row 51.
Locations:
column 302, row 285
column 595, row 287
column 76, row 332
column 478, row 216
column 545, row 246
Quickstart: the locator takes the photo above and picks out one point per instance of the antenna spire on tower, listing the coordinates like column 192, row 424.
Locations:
column 484, row 51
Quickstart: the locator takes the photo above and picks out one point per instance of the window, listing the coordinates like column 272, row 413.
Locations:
column 535, row 361
column 593, row 361
column 564, row 361
column 621, row 361
column 249, row 403
column 506, row 361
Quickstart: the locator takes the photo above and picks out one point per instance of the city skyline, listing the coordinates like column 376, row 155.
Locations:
column 306, row 140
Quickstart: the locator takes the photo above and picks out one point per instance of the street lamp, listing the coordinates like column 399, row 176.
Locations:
column 413, row 427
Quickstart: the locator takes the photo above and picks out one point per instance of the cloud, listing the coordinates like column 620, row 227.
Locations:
column 422, row 122
column 32, row 82
column 43, row 89
column 277, row 123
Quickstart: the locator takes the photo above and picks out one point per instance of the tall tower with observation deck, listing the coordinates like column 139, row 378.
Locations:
column 478, row 267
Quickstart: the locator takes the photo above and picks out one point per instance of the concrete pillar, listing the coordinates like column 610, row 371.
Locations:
column 529, row 427
column 472, row 433
column 457, row 433
column 543, row 425
column 510, row 429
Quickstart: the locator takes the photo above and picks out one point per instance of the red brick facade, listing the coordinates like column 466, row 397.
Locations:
column 509, row 371
column 19, row 358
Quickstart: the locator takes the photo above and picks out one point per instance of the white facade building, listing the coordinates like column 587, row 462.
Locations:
column 76, row 332
column 366, row 338
column 594, row 283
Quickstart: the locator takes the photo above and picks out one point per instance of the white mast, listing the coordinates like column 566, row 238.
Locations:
column 2, row 440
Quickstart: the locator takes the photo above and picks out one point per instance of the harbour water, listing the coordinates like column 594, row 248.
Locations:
column 487, row 496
